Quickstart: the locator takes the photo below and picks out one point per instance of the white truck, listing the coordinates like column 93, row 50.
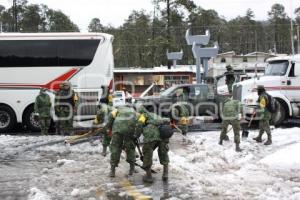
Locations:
column 281, row 80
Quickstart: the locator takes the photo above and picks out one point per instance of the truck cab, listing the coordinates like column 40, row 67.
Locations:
column 281, row 80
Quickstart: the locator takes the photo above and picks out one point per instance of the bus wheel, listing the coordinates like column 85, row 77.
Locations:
column 30, row 120
column 7, row 119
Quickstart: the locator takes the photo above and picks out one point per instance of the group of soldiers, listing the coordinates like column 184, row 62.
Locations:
column 65, row 103
column 232, row 113
column 124, row 125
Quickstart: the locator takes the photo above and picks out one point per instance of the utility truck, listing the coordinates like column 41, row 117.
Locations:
column 282, row 81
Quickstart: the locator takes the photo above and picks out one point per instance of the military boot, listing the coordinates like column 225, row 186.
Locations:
column 258, row 139
column 57, row 129
column 269, row 141
column 221, row 142
column 131, row 170
column 148, row 177
column 237, row 147
column 112, row 171
column 226, row 138
column 165, row 175
column 104, row 151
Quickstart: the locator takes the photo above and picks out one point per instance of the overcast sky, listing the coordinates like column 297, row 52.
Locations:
column 114, row 12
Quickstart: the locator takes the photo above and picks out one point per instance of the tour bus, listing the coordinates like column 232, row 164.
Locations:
column 282, row 81
column 30, row 61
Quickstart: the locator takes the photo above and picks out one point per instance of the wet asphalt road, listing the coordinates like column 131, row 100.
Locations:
column 29, row 162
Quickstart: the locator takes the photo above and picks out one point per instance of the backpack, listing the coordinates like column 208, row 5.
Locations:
column 166, row 131
column 271, row 104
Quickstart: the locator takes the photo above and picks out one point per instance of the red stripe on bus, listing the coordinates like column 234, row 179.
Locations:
column 53, row 85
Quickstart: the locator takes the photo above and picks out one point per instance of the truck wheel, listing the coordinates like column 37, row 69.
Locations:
column 30, row 121
column 8, row 119
column 279, row 116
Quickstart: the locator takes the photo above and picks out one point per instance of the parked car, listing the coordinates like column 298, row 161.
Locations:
column 200, row 99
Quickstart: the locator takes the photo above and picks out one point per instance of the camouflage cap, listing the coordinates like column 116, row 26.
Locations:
column 260, row 88
column 61, row 85
column 229, row 67
column 64, row 84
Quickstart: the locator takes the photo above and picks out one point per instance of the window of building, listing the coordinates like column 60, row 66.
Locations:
column 223, row 60
column 176, row 80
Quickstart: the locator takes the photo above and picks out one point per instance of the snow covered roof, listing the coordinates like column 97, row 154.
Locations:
column 248, row 65
column 292, row 57
column 258, row 53
column 226, row 53
column 164, row 69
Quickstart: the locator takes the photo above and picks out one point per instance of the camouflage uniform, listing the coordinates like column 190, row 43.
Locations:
column 102, row 118
column 65, row 101
column 148, row 124
column 230, row 115
column 122, row 121
column 42, row 106
column 110, row 98
column 179, row 114
column 264, row 116
column 230, row 79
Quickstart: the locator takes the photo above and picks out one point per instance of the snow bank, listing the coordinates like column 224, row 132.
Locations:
column 36, row 194
column 284, row 159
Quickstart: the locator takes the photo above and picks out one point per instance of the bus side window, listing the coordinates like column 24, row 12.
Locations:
column 292, row 71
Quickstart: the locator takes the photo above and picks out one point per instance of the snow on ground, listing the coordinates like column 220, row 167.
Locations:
column 284, row 159
column 211, row 170
column 199, row 169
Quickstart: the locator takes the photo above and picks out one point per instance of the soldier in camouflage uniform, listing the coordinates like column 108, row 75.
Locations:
column 42, row 106
column 102, row 118
column 122, row 121
column 65, row 101
column 230, row 115
column 264, row 116
column 148, row 125
column 179, row 116
column 229, row 78
column 110, row 98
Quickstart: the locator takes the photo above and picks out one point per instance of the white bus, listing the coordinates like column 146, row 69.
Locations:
column 30, row 61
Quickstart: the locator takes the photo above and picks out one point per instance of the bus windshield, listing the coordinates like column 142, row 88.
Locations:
column 277, row 68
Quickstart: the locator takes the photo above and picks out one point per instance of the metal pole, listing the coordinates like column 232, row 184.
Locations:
column 298, row 38
column 174, row 63
column 292, row 37
column 15, row 15
column 256, row 41
column 205, row 66
column 198, row 71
